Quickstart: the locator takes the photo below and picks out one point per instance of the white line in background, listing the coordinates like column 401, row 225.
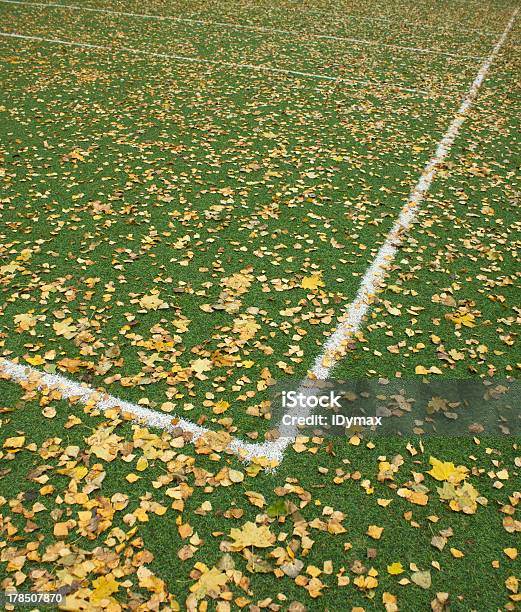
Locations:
column 418, row 25
column 351, row 321
column 198, row 60
column 239, row 26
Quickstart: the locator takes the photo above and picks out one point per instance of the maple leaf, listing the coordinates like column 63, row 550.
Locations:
column 312, row 282
column 251, row 535
column 151, row 302
column 211, row 581
column 444, row 470
column 104, row 586
column 395, row 568
column 201, row 365
column 277, row 508
column 462, row 318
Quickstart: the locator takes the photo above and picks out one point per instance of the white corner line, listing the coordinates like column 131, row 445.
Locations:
column 198, row 60
column 83, row 394
column 351, row 320
column 240, row 26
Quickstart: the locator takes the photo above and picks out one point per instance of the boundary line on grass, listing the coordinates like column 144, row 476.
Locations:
column 352, row 16
column 416, row 24
column 351, row 320
column 198, row 60
column 239, row 26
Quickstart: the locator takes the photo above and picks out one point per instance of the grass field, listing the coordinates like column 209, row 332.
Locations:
column 193, row 196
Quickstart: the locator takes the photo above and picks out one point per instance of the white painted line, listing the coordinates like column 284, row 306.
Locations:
column 197, row 60
column 351, row 321
column 83, row 394
column 239, row 26
column 375, row 274
column 418, row 25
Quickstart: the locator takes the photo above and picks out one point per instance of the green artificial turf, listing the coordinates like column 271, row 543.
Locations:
column 221, row 189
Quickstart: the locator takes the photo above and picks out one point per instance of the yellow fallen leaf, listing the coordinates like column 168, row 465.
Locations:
column 394, row 311
column 461, row 499
column 415, row 497
column 16, row 442
column 422, row 579
column 61, row 530
column 201, row 365
column 104, row 586
column 511, row 553
column 35, row 361
column 457, row 554
column 395, row 568
column 142, row 464
column 365, row 583
column 389, row 598
column 445, row 470
column 151, row 302
column 220, row 407
column 375, row 532
column 354, row 440
column 185, row 530
column 235, row 476
column 251, row 535
column 462, row 318
column 312, row 282
column 211, row 581
column 65, row 328
column 24, row 321
column 10, row 268
column 419, row 369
